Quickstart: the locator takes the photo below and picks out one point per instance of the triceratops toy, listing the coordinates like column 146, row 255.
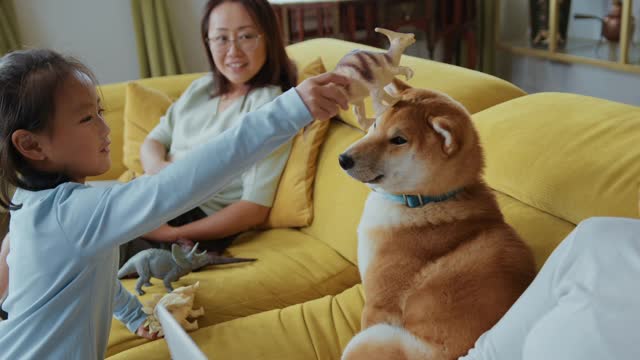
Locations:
column 169, row 266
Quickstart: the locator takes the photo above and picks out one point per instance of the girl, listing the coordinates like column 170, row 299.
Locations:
column 64, row 235
column 249, row 67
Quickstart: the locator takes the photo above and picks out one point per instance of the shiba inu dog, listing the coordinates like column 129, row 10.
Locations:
column 439, row 265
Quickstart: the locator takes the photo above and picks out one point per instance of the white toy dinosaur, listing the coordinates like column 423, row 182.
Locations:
column 179, row 303
column 370, row 72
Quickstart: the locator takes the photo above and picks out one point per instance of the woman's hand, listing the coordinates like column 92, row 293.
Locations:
column 155, row 168
column 144, row 332
column 164, row 233
column 153, row 156
column 324, row 94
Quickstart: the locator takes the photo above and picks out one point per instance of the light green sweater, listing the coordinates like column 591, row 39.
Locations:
column 194, row 119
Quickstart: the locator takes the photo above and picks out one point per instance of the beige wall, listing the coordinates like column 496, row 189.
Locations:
column 100, row 33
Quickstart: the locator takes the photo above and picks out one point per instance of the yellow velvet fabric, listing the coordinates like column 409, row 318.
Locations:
column 571, row 156
column 317, row 329
column 475, row 90
column 338, row 199
column 142, row 111
column 293, row 204
column 540, row 230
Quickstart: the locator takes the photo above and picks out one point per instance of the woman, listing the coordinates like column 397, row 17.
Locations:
column 249, row 67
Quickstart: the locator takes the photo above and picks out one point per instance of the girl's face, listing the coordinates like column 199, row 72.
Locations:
column 236, row 43
column 78, row 142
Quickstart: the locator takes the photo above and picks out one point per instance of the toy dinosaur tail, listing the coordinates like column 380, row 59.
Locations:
column 221, row 260
column 127, row 269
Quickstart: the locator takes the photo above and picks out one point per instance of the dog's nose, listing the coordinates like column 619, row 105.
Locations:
column 346, row 161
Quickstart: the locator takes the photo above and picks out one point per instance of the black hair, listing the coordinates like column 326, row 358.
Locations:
column 278, row 68
column 29, row 80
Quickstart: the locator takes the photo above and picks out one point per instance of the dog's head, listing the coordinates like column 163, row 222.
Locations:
column 424, row 144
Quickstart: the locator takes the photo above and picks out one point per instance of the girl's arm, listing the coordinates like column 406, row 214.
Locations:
column 153, row 155
column 127, row 308
column 4, row 268
column 96, row 219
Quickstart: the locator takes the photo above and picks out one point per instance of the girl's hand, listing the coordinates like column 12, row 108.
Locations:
column 323, row 94
column 144, row 332
column 164, row 233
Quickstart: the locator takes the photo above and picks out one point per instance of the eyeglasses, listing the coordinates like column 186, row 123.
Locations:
column 246, row 42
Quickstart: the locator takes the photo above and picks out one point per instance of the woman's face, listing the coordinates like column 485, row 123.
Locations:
column 236, row 43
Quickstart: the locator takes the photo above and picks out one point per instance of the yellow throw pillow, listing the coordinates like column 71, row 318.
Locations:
column 142, row 111
column 293, row 204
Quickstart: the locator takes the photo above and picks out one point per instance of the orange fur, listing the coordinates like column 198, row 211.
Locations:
column 446, row 272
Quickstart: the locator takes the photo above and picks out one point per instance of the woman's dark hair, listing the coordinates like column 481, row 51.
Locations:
column 29, row 80
column 278, row 69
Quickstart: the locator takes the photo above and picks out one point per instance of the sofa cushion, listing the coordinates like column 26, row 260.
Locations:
column 317, row 329
column 571, row 156
column 291, row 268
column 293, row 203
column 142, row 111
column 338, row 199
column 540, row 230
column 475, row 90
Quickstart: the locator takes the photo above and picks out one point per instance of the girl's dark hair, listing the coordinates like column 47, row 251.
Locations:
column 29, row 80
column 278, row 69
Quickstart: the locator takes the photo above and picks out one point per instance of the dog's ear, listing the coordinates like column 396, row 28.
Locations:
column 449, row 131
column 396, row 87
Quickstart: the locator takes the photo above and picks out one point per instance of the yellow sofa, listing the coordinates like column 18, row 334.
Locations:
column 553, row 160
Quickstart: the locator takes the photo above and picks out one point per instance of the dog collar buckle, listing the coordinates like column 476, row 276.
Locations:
column 415, row 201
column 411, row 204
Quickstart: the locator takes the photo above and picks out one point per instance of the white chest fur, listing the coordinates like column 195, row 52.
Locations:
column 378, row 213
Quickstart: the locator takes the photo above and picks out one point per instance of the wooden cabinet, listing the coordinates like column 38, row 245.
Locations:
column 451, row 24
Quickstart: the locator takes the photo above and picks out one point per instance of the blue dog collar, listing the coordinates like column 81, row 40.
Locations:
column 415, row 201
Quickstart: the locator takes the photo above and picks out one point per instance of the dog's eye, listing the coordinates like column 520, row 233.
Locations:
column 398, row 140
